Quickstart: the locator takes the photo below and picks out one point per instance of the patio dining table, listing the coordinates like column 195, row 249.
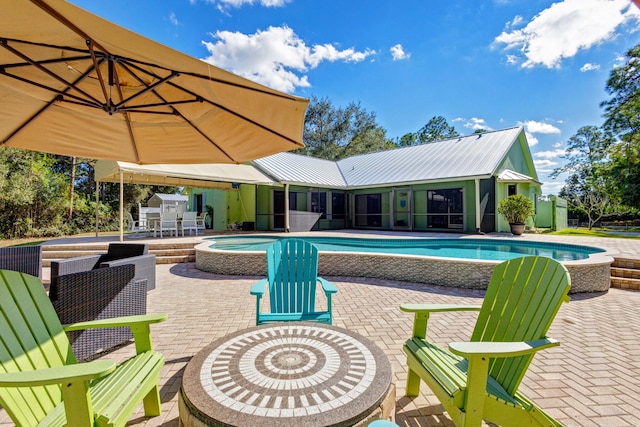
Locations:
column 301, row 374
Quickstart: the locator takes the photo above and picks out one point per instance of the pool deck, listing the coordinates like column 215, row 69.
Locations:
column 592, row 379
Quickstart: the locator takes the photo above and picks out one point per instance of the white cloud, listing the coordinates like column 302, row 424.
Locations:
column 545, row 165
column 531, row 140
column 398, row 53
column 173, row 19
column 476, row 123
column 515, row 22
column 240, row 3
column 275, row 57
column 567, row 27
column 589, row 67
column 552, row 187
column 548, row 155
column 540, row 127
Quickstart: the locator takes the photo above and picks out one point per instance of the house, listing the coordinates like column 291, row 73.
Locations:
column 454, row 184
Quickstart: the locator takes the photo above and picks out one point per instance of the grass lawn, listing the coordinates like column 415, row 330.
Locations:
column 597, row 232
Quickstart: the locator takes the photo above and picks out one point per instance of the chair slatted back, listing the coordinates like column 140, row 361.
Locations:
column 31, row 337
column 292, row 272
column 522, row 299
column 189, row 220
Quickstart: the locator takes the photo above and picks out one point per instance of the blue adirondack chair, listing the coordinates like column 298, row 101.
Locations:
column 292, row 278
column 479, row 379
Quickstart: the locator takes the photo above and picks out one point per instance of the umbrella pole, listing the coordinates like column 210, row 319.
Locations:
column 121, row 206
column 97, row 201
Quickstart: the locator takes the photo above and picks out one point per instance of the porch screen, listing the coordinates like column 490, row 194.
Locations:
column 445, row 208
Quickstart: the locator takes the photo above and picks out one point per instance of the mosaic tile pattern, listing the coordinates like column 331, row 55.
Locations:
column 284, row 371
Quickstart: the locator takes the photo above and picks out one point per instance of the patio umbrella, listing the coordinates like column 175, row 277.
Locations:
column 74, row 84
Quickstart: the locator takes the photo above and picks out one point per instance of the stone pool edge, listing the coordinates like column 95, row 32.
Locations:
column 590, row 275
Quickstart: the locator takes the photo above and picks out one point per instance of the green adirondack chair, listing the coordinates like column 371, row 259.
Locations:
column 479, row 379
column 40, row 381
column 292, row 278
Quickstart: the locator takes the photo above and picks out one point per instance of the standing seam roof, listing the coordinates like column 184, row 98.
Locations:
column 466, row 156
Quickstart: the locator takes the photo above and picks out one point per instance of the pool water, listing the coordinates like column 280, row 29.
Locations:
column 482, row 249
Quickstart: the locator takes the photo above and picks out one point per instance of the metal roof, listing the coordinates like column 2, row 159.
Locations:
column 297, row 169
column 508, row 175
column 470, row 156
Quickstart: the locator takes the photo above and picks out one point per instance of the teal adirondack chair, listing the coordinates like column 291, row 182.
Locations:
column 40, row 381
column 292, row 278
column 479, row 379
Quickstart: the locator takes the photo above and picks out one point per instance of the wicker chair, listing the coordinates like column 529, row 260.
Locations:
column 117, row 254
column 98, row 294
column 25, row 259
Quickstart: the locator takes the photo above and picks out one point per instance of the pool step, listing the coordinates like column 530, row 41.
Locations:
column 166, row 253
column 625, row 273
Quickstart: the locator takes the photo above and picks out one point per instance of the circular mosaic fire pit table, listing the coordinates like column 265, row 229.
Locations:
column 297, row 374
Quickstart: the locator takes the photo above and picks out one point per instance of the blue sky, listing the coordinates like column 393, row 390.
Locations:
column 488, row 64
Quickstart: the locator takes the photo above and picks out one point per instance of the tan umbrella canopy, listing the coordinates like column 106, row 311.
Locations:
column 74, row 84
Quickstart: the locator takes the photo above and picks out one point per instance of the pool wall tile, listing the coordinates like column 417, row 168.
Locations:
column 592, row 275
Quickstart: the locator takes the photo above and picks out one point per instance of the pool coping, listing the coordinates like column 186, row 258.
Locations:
column 588, row 275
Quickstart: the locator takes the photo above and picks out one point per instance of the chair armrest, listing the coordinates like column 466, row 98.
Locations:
column 500, row 349
column 145, row 267
column 74, row 265
column 114, row 322
column 259, row 288
column 58, row 375
column 437, row 308
column 327, row 286
column 422, row 312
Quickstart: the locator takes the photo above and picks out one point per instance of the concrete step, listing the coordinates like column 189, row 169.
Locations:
column 166, row 253
column 625, row 283
column 625, row 273
column 626, row 262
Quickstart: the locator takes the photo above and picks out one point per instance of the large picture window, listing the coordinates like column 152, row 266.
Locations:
column 445, row 208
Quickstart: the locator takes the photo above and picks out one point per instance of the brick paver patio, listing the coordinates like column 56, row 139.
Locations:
column 592, row 379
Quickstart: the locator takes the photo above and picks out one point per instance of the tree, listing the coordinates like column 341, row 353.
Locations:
column 333, row 133
column 622, row 113
column 585, row 152
column 588, row 189
column 436, row 129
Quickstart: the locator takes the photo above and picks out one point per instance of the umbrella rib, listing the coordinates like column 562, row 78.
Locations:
column 228, row 110
column 45, row 70
column 45, row 107
column 64, row 21
column 127, row 120
column 96, row 66
column 222, row 107
column 175, row 111
column 147, row 89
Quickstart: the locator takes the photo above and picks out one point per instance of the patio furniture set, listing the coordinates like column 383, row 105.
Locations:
column 294, row 367
column 169, row 223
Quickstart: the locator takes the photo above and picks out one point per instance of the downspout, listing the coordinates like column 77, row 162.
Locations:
column 286, row 208
column 478, row 219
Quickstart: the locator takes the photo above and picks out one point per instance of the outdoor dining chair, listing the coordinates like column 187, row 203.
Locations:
column 189, row 222
column 169, row 223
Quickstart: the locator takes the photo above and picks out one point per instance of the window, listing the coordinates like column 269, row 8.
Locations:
column 512, row 190
column 368, row 210
column 445, row 208
column 338, row 207
column 319, row 203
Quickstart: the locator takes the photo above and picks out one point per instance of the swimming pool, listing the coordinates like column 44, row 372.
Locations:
column 465, row 262
column 481, row 249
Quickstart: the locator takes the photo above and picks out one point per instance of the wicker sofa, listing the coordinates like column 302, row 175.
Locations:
column 117, row 254
column 98, row 294
column 25, row 259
